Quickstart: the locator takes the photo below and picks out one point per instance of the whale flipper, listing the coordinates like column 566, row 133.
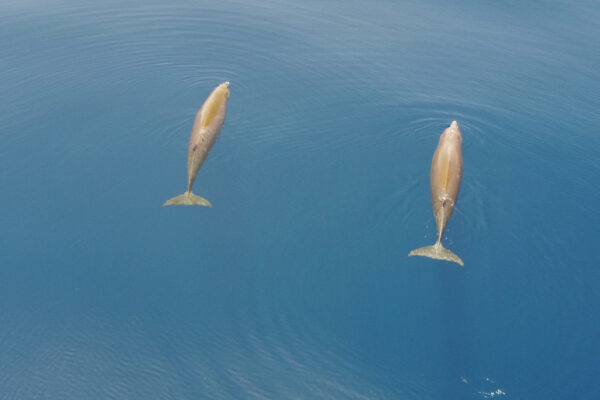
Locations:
column 187, row 199
column 438, row 252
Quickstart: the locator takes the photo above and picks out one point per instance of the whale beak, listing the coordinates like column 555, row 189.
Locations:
column 226, row 84
column 454, row 124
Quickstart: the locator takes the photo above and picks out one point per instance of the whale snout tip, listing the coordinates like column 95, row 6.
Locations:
column 226, row 84
column 454, row 124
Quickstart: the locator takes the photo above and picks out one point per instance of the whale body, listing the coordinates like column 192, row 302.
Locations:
column 207, row 126
column 446, row 175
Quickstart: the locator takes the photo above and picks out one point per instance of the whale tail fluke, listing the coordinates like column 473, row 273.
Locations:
column 438, row 252
column 187, row 199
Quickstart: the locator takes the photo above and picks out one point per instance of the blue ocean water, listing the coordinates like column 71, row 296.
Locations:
column 297, row 284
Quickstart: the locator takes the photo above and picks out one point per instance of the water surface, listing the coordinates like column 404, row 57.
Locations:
column 297, row 284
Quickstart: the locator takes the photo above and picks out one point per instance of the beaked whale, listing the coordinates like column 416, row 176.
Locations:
column 446, row 174
column 207, row 126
